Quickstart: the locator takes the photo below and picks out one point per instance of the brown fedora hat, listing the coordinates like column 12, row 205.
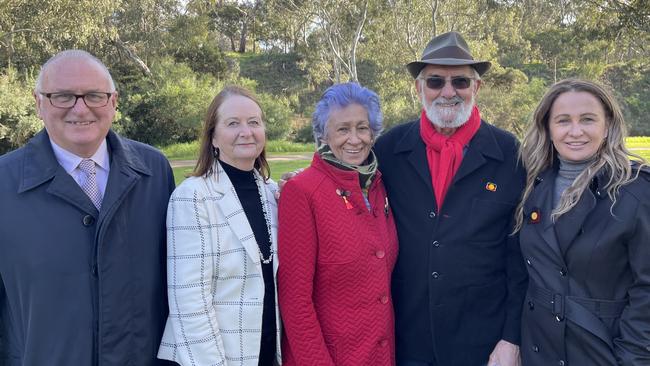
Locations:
column 448, row 49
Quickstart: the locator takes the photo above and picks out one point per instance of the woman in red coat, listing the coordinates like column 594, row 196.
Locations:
column 337, row 242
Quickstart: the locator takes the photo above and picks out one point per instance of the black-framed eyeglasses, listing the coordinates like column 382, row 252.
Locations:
column 68, row 100
column 457, row 82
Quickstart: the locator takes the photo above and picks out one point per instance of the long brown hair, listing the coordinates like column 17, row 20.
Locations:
column 207, row 153
column 537, row 151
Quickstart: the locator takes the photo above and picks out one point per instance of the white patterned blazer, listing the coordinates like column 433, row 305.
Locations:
column 214, row 274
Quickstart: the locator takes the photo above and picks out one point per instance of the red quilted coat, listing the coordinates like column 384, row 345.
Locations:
column 335, row 270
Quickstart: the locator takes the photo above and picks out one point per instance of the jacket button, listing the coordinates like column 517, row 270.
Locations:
column 563, row 272
column 435, row 275
column 531, row 305
column 436, row 243
column 88, row 220
column 380, row 254
column 535, row 348
column 432, row 214
column 383, row 299
column 528, row 262
column 561, row 363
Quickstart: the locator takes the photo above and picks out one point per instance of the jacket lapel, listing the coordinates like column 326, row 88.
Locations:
column 481, row 145
column 126, row 170
column 412, row 144
column 542, row 200
column 569, row 225
column 233, row 211
column 40, row 167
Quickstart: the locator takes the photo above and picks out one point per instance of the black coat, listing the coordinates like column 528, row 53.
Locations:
column 459, row 281
column 77, row 286
column 588, row 301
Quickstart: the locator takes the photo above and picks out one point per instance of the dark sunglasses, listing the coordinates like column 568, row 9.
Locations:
column 457, row 82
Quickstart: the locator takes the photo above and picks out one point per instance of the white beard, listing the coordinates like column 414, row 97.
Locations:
column 445, row 117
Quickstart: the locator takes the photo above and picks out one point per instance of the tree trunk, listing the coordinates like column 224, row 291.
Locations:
column 132, row 56
column 434, row 10
column 242, row 38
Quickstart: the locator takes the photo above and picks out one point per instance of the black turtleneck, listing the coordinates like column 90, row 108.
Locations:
column 249, row 197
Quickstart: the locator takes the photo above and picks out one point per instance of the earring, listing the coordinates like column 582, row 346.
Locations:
column 215, row 152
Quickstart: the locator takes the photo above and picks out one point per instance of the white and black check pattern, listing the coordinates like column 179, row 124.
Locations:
column 89, row 185
column 215, row 283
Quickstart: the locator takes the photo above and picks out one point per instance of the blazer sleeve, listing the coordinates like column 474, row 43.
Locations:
column 516, row 271
column 632, row 347
column 297, row 253
column 517, row 277
column 190, row 277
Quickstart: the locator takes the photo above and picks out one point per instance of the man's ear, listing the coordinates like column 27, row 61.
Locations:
column 478, row 86
column 38, row 100
column 418, row 87
column 114, row 98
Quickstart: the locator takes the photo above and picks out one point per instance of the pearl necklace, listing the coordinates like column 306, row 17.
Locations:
column 266, row 212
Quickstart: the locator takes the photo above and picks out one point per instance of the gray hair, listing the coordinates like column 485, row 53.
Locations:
column 76, row 54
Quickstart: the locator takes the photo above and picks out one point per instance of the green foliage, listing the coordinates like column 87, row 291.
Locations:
column 170, row 107
column 182, row 150
column 277, row 116
column 275, row 73
column 280, row 146
column 510, row 106
column 195, row 45
column 18, row 121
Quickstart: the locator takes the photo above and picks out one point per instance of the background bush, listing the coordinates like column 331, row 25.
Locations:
column 18, row 121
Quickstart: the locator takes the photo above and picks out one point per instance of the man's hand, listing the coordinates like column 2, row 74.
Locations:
column 284, row 178
column 505, row 354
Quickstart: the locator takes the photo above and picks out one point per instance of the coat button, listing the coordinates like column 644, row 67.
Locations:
column 561, row 363
column 88, row 220
column 435, row 275
column 380, row 254
column 436, row 243
column 383, row 299
column 531, row 305
column 432, row 214
column 563, row 272
column 535, row 348
column 528, row 262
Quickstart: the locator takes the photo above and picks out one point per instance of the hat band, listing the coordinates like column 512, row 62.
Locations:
column 448, row 52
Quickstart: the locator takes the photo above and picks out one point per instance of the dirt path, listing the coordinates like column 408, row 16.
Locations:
column 184, row 163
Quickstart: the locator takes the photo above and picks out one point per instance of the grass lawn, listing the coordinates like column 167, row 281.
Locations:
column 277, row 169
column 189, row 150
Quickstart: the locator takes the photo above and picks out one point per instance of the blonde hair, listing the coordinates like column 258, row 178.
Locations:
column 537, row 151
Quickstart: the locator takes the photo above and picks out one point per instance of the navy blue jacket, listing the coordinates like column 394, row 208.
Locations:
column 77, row 286
column 460, row 280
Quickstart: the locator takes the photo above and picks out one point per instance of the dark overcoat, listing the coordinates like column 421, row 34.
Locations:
column 459, row 280
column 78, row 286
column 588, row 301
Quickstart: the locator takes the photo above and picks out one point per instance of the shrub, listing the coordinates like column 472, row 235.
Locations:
column 18, row 121
column 278, row 116
column 169, row 107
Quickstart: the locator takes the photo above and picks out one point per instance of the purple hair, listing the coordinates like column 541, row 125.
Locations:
column 341, row 96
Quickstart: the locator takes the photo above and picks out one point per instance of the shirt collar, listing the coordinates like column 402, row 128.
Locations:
column 70, row 161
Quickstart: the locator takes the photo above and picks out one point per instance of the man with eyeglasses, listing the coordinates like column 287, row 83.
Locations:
column 453, row 183
column 82, row 230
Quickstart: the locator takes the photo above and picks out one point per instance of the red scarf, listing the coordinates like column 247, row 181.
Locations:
column 445, row 153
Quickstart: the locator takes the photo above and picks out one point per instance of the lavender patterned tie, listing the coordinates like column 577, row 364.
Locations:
column 90, row 184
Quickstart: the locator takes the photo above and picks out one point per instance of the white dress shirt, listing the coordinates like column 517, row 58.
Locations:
column 70, row 162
